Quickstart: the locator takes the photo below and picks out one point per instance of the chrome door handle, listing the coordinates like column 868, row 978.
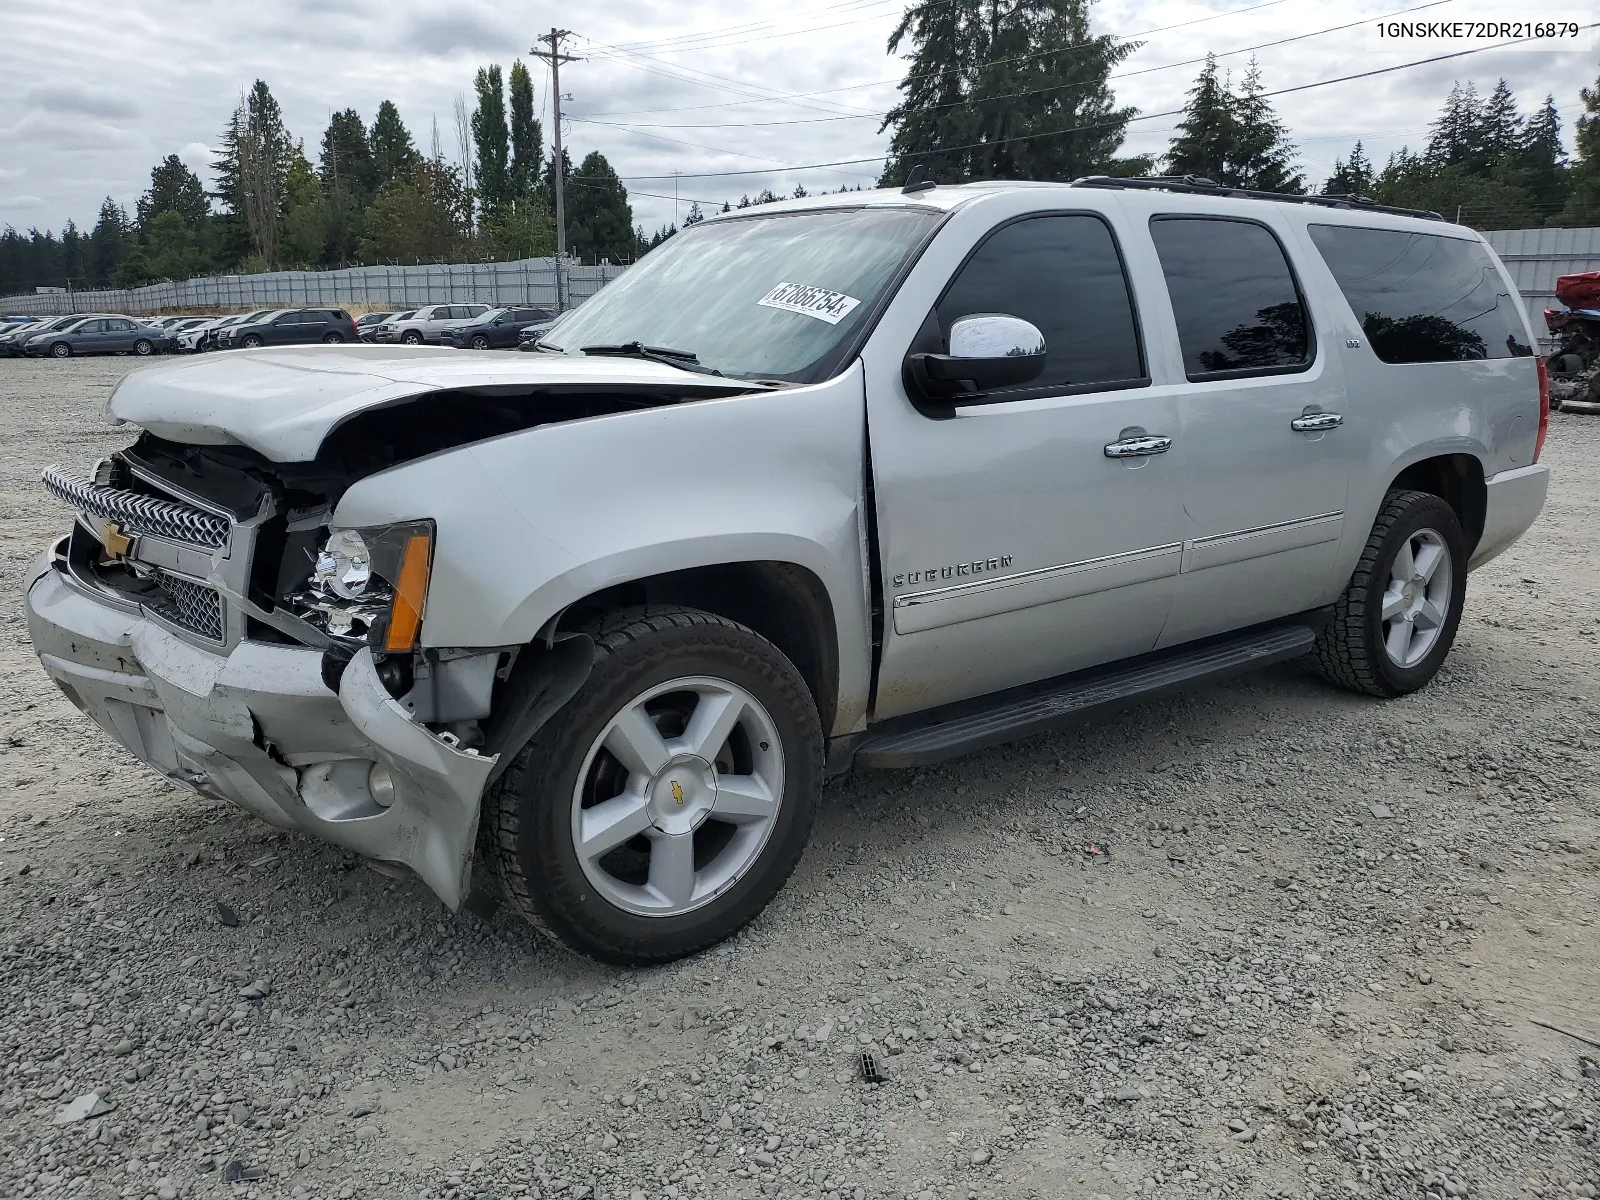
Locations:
column 1139, row 447
column 1315, row 422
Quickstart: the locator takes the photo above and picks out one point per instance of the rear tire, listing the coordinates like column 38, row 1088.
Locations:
column 333, row 339
column 144, row 348
column 734, row 827
column 1397, row 620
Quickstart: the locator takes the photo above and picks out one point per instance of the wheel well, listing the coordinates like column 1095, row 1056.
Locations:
column 784, row 603
column 1457, row 479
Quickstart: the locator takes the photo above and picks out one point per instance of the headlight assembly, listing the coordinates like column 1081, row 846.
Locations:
column 369, row 585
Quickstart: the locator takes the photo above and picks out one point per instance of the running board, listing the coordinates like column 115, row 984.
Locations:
column 1022, row 712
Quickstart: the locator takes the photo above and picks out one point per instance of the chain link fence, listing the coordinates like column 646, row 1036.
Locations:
column 529, row 281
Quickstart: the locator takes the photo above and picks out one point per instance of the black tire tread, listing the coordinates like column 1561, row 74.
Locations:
column 1342, row 654
column 529, row 772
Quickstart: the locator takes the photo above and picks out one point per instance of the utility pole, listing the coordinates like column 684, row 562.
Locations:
column 555, row 58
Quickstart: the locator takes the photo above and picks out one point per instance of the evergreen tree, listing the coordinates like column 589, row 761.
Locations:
column 74, row 254
column 489, row 134
column 1456, row 137
column 1501, row 127
column 111, row 242
column 932, row 112
column 1353, row 178
column 599, row 218
column 1233, row 138
column 393, row 155
column 170, row 249
column 1542, row 159
column 1005, row 89
column 1583, row 206
column 346, row 162
column 252, row 168
column 527, row 138
column 1263, row 156
column 1208, row 136
column 306, row 214
column 175, row 188
column 694, row 216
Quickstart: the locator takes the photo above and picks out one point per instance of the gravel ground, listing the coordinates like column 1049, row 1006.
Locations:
column 1310, row 965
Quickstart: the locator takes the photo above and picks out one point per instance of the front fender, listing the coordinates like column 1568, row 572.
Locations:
column 534, row 521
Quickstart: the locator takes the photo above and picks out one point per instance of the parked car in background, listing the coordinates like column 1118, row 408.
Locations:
column 99, row 335
column 435, row 322
column 212, row 336
column 528, row 339
column 12, row 335
column 367, row 324
column 389, row 330
column 498, row 328
column 292, row 327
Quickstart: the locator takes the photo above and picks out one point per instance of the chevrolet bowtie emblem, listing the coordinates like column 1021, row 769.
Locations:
column 677, row 791
column 116, row 542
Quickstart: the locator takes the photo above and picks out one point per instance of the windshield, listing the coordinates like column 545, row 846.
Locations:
column 775, row 297
column 485, row 318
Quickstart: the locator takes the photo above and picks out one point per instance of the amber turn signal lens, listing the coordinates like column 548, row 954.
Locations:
column 405, row 613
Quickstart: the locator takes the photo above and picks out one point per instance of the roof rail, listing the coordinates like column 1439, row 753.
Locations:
column 1199, row 185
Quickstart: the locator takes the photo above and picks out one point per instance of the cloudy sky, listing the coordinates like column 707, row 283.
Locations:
column 91, row 97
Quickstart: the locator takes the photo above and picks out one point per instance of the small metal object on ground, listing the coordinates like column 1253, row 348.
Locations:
column 1587, row 1041
column 871, row 1070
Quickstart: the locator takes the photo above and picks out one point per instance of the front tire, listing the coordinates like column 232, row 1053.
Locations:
column 61, row 350
column 251, row 342
column 667, row 803
column 479, row 342
column 1396, row 622
column 411, row 337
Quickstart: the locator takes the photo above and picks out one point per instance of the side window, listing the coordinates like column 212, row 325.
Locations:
column 288, row 318
column 119, row 326
column 1063, row 274
column 1423, row 298
column 1235, row 299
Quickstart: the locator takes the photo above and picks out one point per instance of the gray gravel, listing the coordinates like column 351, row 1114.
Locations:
column 1307, row 966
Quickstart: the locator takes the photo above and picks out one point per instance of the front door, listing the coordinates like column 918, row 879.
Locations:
column 1263, row 452
column 1013, row 546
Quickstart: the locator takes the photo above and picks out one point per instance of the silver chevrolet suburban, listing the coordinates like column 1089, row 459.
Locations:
column 875, row 479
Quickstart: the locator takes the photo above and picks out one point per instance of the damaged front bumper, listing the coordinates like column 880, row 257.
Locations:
column 257, row 726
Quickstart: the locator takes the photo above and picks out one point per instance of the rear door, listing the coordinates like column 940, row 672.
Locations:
column 1013, row 546
column 1264, row 457
column 120, row 334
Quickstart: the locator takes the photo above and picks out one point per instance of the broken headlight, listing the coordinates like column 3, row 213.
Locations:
column 368, row 585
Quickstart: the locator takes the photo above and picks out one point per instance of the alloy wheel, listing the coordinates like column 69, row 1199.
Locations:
column 677, row 796
column 1416, row 602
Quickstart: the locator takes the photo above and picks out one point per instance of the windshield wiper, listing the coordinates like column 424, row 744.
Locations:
column 684, row 360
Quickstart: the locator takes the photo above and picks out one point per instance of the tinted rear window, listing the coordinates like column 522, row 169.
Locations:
column 1234, row 297
column 1423, row 298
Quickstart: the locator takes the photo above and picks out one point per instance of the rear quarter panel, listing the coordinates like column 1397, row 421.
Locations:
column 1405, row 413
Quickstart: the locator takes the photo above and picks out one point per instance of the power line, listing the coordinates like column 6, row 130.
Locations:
column 1188, row 62
column 1304, row 87
column 989, row 63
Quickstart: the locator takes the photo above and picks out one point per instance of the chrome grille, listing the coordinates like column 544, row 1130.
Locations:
column 136, row 513
column 193, row 606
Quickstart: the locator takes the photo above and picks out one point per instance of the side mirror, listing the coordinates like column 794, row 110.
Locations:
column 988, row 352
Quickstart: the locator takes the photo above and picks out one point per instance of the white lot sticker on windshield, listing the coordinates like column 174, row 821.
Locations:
column 820, row 303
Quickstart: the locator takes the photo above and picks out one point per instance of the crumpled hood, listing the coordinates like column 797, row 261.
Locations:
column 283, row 402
